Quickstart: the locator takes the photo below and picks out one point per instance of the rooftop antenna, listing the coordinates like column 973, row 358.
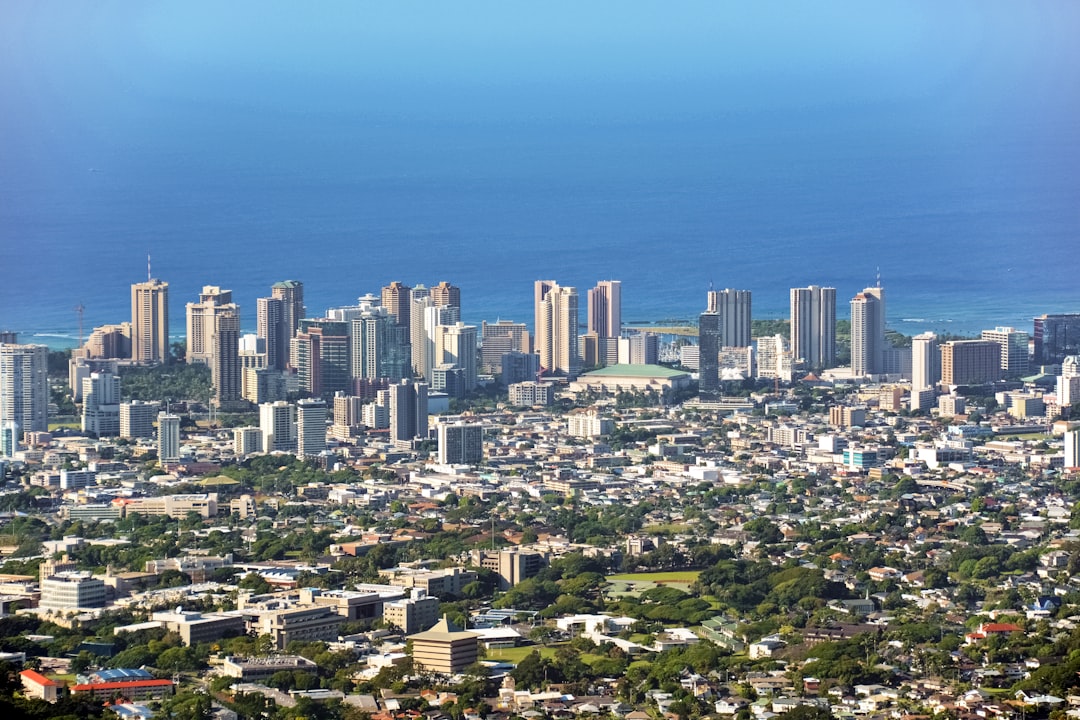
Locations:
column 79, row 309
column 879, row 276
column 148, row 275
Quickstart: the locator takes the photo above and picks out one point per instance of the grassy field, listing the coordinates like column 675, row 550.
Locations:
column 517, row 654
column 680, row 576
column 67, row 425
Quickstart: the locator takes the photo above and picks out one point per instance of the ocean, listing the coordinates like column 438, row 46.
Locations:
column 967, row 209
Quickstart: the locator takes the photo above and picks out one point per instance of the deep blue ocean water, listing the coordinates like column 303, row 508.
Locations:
column 969, row 208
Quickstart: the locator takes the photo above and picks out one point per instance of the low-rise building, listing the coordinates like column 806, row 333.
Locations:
column 445, row 648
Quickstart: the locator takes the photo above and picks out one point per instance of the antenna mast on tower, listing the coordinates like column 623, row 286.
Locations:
column 79, row 309
column 148, row 275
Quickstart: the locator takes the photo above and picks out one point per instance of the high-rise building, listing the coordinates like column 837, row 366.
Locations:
column 813, row 326
column 168, row 438
column 1014, row 350
column 101, row 404
column 408, row 411
column 868, row 332
column 225, row 366
column 379, row 347
column 500, row 338
column 321, row 350
column 970, row 362
column 1072, row 449
column 709, row 354
column 246, row 441
column 272, row 330
column 774, row 358
column 641, row 348
column 310, row 427
column 291, row 294
column 434, row 317
column 201, row 322
column 556, row 311
column 150, row 322
column 456, row 345
column 397, row 299
column 605, row 309
column 277, row 421
column 420, row 301
column 446, row 294
column 24, row 388
column 925, row 362
column 461, row 443
column 1056, row 337
column 734, row 308
column 137, row 418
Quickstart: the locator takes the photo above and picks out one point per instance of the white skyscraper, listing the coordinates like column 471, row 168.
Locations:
column 1014, row 350
column 1072, row 449
column 101, row 404
column 277, row 421
column 925, row 362
column 24, row 387
column 456, row 345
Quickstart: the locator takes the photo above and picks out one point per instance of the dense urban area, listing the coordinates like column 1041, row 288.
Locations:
column 385, row 513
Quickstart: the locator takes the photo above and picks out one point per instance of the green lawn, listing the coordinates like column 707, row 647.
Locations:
column 517, row 654
column 678, row 576
column 672, row 528
column 68, row 426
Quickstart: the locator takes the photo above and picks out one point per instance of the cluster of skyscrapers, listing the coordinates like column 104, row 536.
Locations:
column 377, row 361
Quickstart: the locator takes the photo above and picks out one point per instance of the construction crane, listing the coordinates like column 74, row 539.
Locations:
column 80, row 309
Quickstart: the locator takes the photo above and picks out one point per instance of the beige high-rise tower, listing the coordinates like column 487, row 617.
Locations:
column 201, row 322
column 556, row 310
column 150, row 322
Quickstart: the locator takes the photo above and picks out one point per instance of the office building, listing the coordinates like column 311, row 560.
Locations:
column 734, row 309
column 925, row 362
column 310, row 427
column 201, row 323
column 272, row 329
column 1068, row 383
column 605, row 309
column 556, row 315
column 461, row 443
column 413, row 614
column 321, row 354
column 397, row 299
column 868, row 332
column 1056, row 337
column 1014, row 350
column 519, row 367
column 291, row 294
column 70, row 590
column 137, row 418
column 970, row 362
column 512, row 566
column 304, row 624
column 277, row 421
column 24, row 388
column 813, row 326
column 150, row 322
column 844, row 416
column 408, row 411
column 445, row 294
column 709, row 354
column 168, row 438
column 101, row 404
column 444, row 648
